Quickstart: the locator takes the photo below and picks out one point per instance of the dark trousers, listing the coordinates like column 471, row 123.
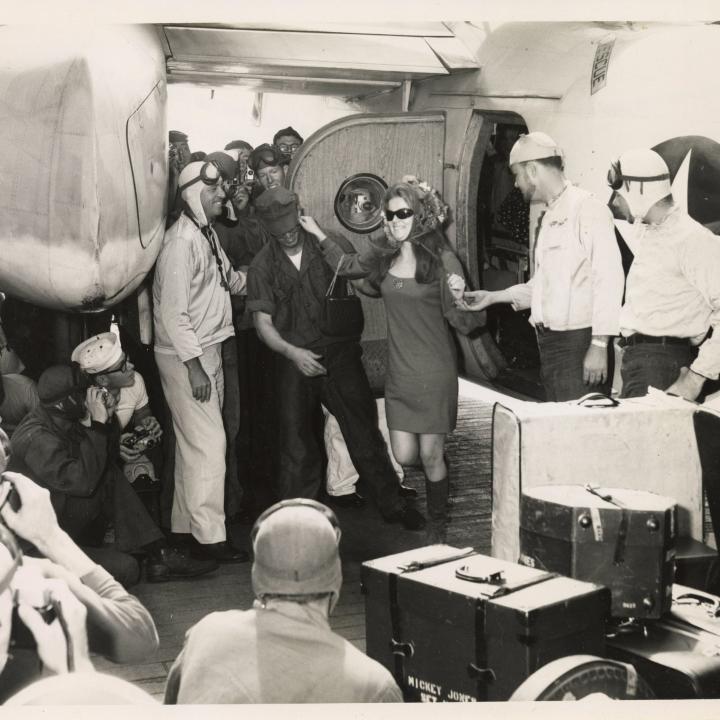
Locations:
column 345, row 392
column 707, row 432
column 562, row 354
column 255, row 441
column 231, row 420
column 653, row 364
column 85, row 519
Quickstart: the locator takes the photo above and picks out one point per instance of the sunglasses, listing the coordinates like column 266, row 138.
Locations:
column 401, row 214
column 289, row 148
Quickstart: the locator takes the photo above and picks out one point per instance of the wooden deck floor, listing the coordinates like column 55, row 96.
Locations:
column 176, row 606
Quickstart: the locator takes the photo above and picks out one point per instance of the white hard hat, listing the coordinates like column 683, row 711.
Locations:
column 641, row 177
column 534, row 146
column 295, row 543
column 99, row 353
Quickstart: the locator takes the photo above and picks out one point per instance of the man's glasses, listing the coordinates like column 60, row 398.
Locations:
column 401, row 214
column 123, row 368
column 289, row 148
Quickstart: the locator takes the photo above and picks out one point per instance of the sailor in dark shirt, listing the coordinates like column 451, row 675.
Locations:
column 287, row 283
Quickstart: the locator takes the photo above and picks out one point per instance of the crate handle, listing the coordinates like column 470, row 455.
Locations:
column 406, row 649
column 486, row 675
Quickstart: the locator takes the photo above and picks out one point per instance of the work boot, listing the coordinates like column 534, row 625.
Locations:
column 172, row 562
column 437, row 499
column 408, row 516
column 222, row 552
column 353, row 500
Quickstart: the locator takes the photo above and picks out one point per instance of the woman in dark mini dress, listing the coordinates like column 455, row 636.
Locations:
column 419, row 278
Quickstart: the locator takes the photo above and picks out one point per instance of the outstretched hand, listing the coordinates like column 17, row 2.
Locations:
column 474, row 300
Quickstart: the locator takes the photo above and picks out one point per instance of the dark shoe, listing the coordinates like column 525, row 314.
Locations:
column 223, row 552
column 353, row 500
column 408, row 516
column 171, row 562
column 406, row 491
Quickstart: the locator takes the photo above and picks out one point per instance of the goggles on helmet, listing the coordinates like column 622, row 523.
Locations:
column 616, row 178
column 209, row 175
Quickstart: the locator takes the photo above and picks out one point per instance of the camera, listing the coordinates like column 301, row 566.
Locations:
column 8, row 494
column 28, row 589
column 140, row 440
column 249, row 175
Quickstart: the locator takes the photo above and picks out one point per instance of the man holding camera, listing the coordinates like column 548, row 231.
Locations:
column 105, row 364
column 69, row 445
column 68, row 604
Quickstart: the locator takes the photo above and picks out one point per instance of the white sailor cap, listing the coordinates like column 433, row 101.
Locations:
column 99, row 353
column 534, row 146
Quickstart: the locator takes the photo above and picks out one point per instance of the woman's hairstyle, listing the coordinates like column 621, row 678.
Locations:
column 428, row 241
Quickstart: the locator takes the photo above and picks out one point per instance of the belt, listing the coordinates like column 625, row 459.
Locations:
column 639, row 339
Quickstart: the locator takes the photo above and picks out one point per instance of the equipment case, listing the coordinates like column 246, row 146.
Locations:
column 644, row 443
column 624, row 539
column 678, row 655
column 445, row 638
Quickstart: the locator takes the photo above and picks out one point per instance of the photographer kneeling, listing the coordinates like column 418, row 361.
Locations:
column 66, row 604
column 106, row 366
column 70, row 445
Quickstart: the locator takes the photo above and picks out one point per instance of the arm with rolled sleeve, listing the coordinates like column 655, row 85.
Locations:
column 700, row 264
column 259, row 290
column 597, row 237
column 176, row 271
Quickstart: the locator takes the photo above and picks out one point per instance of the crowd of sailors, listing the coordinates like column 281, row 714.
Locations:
column 250, row 350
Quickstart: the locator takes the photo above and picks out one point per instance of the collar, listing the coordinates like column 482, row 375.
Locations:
column 314, row 612
column 553, row 203
column 671, row 217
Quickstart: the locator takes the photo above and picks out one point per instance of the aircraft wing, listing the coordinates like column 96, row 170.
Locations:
column 347, row 60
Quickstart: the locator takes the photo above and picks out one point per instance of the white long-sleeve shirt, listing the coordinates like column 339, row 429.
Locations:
column 283, row 652
column 673, row 287
column 578, row 277
column 191, row 308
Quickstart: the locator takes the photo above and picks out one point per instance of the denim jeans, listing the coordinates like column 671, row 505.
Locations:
column 345, row 392
column 562, row 354
column 707, row 432
column 652, row 364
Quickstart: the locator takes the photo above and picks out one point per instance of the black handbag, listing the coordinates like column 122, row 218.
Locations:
column 342, row 311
